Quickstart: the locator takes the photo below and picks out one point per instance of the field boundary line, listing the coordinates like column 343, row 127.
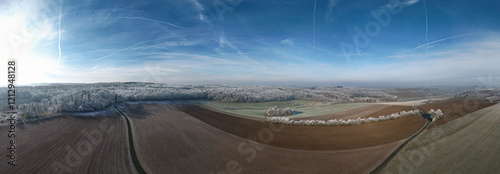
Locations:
column 380, row 168
column 133, row 155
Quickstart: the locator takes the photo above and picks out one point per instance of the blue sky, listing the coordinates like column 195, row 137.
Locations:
column 358, row 43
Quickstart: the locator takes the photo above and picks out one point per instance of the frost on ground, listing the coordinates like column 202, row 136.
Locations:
column 57, row 98
column 468, row 144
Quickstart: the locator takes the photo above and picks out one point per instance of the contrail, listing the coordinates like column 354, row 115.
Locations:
column 440, row 40
column 59, row 43
column 314, row 26
column 128, row 17
column 124, row 49
column 141, row 18
column 426, row 28
column 153, row 20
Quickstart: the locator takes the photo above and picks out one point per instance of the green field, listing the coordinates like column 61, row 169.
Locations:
column 303, row 108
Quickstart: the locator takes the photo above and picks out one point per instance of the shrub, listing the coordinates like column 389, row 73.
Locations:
column 339, row 122
column 279, row 111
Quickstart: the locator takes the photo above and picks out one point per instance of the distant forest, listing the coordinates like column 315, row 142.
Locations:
column 57, row 98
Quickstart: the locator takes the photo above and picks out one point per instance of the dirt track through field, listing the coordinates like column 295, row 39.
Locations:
column 387, row 161
column 465, row 145
column 455, row 108
column 137, row 164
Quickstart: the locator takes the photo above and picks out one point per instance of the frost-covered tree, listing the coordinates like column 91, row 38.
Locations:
column 435, row 114
column 56, row 98
column 279, row 111
column 340, row 122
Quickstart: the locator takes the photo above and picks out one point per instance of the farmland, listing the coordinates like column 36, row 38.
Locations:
column 303, row 108
column 196, row 134
column 465, row 145
column 183, row 138
column 455, row 108
column 374, row 110
column 249, row 86
column 70, row 144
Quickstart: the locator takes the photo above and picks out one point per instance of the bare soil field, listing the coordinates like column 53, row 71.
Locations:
column 468, row 144
column 177, row 139
column 455, row 108
column 69, row 144
column 363, row 112
column 314, row 137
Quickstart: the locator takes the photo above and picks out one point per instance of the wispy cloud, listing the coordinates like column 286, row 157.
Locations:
column 28, row 35
column 409, row 2
column 199, row 8
column 120, row 50
column 224, row 42
column 288, row 41
column 460, row 66
column 330, row 10
column 441, row 40
column 153, row 20
column 59, row 39
column 167, row 44
column 394, row 4
column 314, row 27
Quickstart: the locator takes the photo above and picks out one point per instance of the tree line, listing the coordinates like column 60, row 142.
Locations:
column 57, row 98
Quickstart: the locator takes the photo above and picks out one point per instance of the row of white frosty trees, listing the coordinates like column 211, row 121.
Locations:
column 57, row 98
column 435, row 114
column 279, row 111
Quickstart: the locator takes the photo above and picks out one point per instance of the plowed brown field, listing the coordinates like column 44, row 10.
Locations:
column 314, row 137
column 190, row 139
column 69, row 144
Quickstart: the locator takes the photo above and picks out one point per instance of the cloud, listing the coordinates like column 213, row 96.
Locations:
column 197, row 5
column 167, row 44
column 120, row 50
column 394, row 4
column 188, row 9
column 440, row 40
column 409, row 2
column 461, row 66
column 224, row 42
column 288, row 41
column 59, row 32
column 29, row 36
column 329, row 10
